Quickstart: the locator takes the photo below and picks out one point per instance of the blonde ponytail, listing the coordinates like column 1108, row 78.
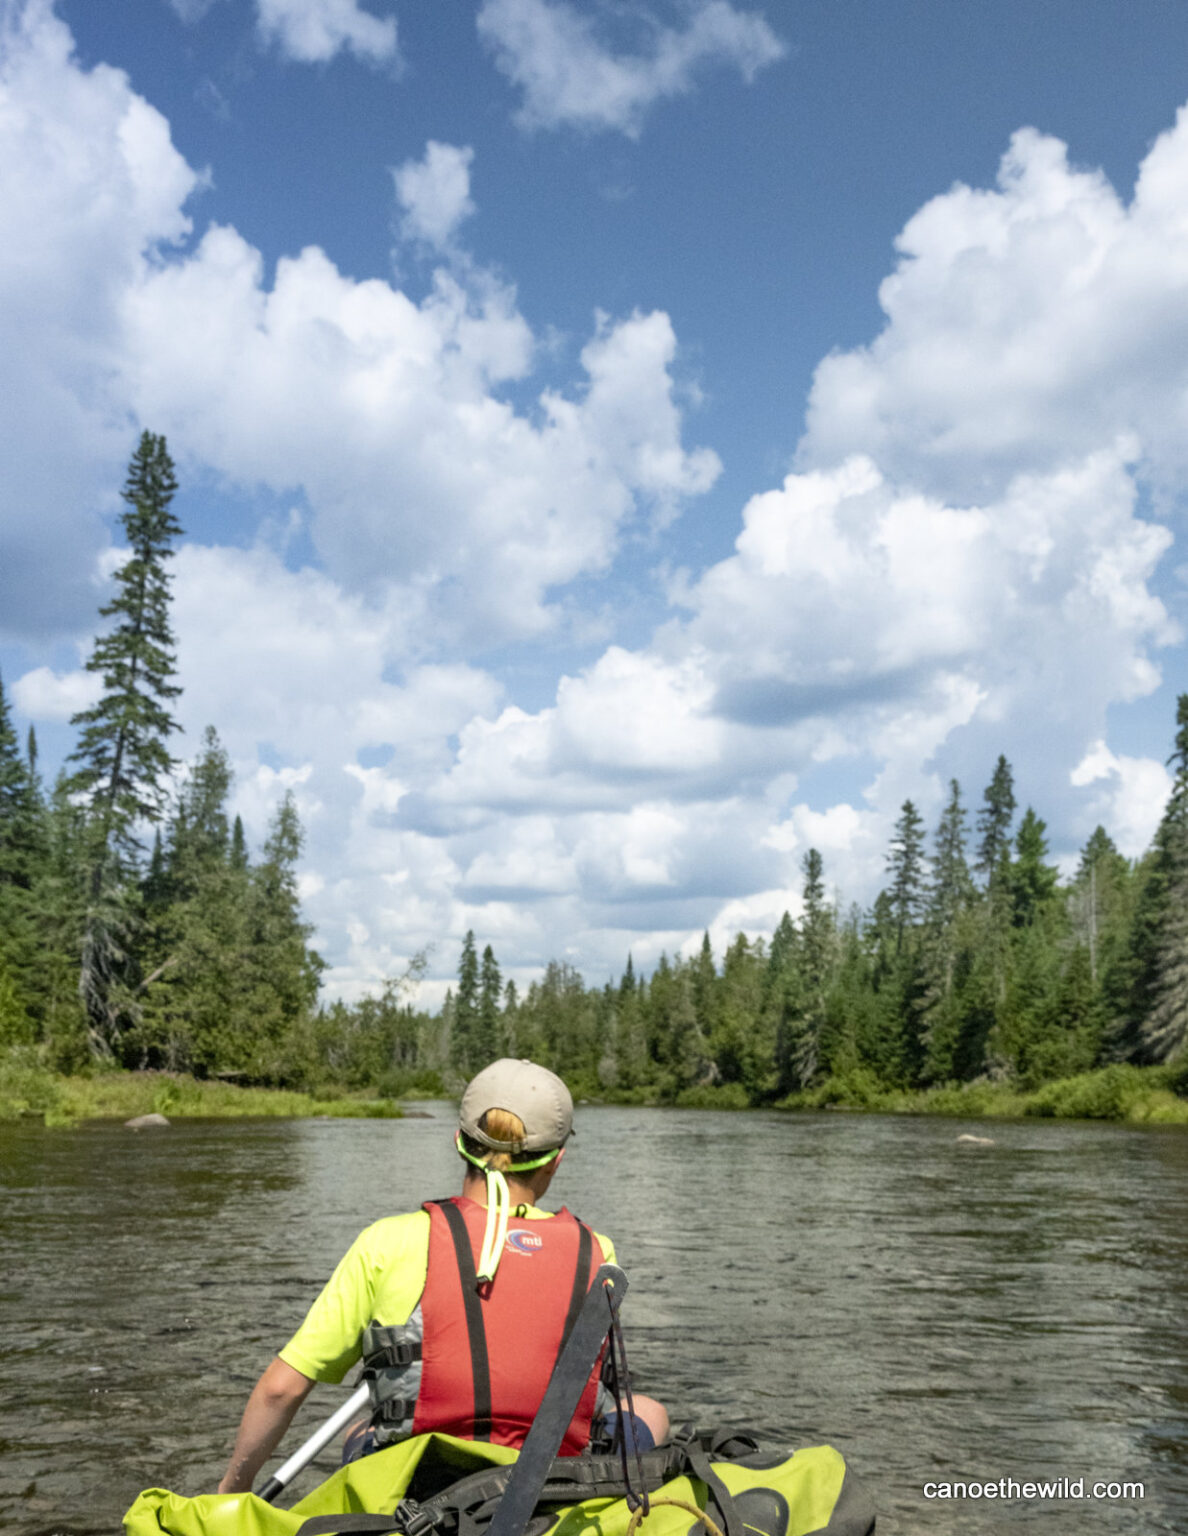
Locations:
column 502, row 1125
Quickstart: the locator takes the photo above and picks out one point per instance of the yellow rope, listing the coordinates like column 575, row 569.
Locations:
column 692, row 1509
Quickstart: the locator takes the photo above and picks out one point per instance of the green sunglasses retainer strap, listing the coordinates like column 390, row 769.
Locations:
column 498, row 1205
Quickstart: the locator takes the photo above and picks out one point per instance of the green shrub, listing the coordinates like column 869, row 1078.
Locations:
column 1103, row 1095
column 714, row 1096
column 858, row 1088
column 400, row 1083
column 1177, row 1077
column 27, row 1086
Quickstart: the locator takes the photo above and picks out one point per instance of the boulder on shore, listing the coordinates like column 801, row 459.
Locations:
column 144, row 1122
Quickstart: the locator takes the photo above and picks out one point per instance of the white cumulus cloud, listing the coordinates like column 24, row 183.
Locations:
column 963, row 561
column 435, row 193
column 43, row 694
column 386, row 411
column 1128, row 795
column 313, row 31
column 550, row 50
column 93, row 191
column 1027, row 325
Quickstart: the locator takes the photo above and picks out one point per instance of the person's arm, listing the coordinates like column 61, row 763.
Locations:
column 275, row 1398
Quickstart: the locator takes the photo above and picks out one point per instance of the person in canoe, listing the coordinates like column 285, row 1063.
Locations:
column 458, row 1310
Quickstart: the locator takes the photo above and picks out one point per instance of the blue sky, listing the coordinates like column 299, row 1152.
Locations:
column 621, row 447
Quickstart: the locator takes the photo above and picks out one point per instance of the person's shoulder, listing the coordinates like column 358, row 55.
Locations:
column 391, row 1233
column 406, row 1224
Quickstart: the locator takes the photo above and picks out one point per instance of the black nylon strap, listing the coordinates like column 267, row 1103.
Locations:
column 581, row 1279
column 570, row 1480
column 698, row 1464
column 480, row 1365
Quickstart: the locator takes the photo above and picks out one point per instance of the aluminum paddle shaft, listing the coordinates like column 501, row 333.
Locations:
column 302, row 1457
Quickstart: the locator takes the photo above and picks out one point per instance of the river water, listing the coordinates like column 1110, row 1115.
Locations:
column 936, row 1310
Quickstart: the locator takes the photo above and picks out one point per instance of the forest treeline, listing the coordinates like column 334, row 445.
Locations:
column 137, row 928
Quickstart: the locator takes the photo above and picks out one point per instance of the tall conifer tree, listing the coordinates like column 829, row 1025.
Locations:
column 950, row 894
column 123, row 757
column 1033, row 882
column 1097, row 899
column 905, row 864
column 20, row 846
column 1163, row 1029
column 818, row 932
column 994, row 821
column 464, row 1037
column 490, row 986
column 994, row 864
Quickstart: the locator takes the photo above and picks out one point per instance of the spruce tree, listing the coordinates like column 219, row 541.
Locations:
column 1033, row 883
column 818, row 934
column 211, row 936
column 20, row 856
column 950, row 889
column 490, row 984
column 994, row 821
column 632, row 1066
column 1163, row 1026
column 950, row 894
column 1098, row 899
column 123, row 756
column 705, row 988
column 688, row 1060
column 743, row 1043
column 994, row 864
column 905, row 864
column 58, row 908
column 509, row 1039
column 781, row 993
column 289, row 967
column 18, row 808
column 464, row 1039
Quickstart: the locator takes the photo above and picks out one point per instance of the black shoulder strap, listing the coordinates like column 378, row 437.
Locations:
column 581, row 1279
column 480, row 1365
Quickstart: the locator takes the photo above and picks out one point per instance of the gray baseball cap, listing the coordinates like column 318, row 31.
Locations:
column 535, row 1094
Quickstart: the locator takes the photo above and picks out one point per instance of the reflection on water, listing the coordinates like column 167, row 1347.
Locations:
column 936, row 1311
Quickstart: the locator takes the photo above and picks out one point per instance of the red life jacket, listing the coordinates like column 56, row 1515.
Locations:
column 488, row 1354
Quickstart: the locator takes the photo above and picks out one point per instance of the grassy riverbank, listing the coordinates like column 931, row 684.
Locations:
column 1136, row 1095
column 29, row 1089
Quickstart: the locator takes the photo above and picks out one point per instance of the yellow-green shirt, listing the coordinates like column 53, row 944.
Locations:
column 378, row 1280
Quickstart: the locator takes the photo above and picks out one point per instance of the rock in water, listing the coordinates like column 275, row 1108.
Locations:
column 976, row 1141
column 144, row 1122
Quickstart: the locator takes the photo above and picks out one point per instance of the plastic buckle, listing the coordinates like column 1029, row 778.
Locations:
column 414, row 1518
column 683, row 1437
